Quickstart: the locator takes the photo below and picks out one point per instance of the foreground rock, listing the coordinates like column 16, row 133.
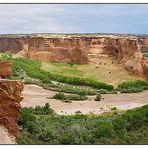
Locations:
column 79, row 50
column 5, row 68
column 10, row 98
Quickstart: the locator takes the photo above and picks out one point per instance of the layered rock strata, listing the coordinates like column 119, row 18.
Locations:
column 10, row 98
column 126, row 50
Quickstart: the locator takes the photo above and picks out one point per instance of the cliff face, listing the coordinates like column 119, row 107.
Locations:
column 77, row 50
column 143, row 42
column 10, row 98
column 5, row 69
column 125, row 50
column 53, row 50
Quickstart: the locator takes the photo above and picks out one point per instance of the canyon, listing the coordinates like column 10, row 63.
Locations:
column 10, row 98
column 126, row 50
column 88, row 50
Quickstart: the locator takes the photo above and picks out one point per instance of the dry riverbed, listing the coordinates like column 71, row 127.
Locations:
column 36, row 95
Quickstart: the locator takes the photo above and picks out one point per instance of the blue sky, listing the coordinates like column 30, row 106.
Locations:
column 74, row 18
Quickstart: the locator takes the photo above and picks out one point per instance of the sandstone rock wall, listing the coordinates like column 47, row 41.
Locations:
column 125, row 50
column 10, row 98
column 143, row 42
column 5, row 68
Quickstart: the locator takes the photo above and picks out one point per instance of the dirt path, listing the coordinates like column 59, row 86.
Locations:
column 35, row 95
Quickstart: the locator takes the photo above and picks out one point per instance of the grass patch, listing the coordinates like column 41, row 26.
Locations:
column 109, row 73
column 32, row 69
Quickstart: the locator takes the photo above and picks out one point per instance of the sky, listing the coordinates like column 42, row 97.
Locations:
column 73, row 18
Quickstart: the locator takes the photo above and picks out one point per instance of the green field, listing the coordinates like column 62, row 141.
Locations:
column 110, row 73
column 101, row 73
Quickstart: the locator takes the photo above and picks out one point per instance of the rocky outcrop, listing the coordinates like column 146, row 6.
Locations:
column 5, row 68
column 10, row 98
column 143, row 42
column 126, row 50
column 46, row 49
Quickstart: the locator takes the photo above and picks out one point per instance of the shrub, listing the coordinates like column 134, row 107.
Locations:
column 45, row 110
column 61, row 96
column 25, row 116
column 98, row 97
column 104, row 129
column 133, row 86
column 113, row 108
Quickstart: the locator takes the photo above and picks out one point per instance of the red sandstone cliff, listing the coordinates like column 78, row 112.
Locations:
column 143, row 42
column 5, row 68
column 10, row 98
column 125, row 50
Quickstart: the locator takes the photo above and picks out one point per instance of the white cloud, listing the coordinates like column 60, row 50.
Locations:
column 26, row 18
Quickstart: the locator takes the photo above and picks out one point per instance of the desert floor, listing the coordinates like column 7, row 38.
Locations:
column 35, row 95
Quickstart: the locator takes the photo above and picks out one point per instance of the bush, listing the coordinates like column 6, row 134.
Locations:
column 25, row 116
column 45, row 110
column 133, row 86
column 104, row 129
column 98, row 97
column 61, row 96
column 113, row 108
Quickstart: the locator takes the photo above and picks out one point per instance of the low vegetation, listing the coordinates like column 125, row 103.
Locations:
column 32, row 69
column 145, row 54
column 59, row 87
column 42, row 126
column 31, row 72
column 62, row 96
column 98, row 97
column 5, row 57
column 133, row 86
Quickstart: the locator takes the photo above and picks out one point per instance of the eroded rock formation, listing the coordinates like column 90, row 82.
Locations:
column 126, row 50
column 143, row 42
column 5, row 68
column 10, row 98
